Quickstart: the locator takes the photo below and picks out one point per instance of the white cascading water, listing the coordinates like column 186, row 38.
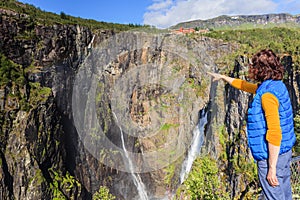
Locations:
column 197, row 142
column 136, row 177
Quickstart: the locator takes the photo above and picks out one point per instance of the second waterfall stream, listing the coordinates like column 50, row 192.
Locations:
column 197, row 142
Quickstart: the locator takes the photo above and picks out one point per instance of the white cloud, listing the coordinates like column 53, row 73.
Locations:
column 160, row 5
column 166, row 13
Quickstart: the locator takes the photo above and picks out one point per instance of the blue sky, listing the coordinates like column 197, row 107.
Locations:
column 163, row 13
column 116, row 11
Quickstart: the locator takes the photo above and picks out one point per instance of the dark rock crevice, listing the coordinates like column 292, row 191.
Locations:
column 6, row 180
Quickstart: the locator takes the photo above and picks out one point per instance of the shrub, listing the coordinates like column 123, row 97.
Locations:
column 203, row 181
column 103, row 194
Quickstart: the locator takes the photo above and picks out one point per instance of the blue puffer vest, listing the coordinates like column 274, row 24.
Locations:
column 256, row 122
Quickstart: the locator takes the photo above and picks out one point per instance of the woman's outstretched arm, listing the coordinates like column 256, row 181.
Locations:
column 237, row 83
column 220, row 76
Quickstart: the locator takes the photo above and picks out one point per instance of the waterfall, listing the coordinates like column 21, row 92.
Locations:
column 197, row 141
column 90, row 45
column 136, row 177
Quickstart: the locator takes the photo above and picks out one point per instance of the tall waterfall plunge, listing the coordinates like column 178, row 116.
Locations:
column 136, row 177
column 197, row 142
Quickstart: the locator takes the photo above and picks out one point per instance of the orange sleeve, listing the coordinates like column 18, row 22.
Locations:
column 244, row 85
column 271, row 108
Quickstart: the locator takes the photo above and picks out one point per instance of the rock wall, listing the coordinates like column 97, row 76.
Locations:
column 238, row 20
column 35, row 146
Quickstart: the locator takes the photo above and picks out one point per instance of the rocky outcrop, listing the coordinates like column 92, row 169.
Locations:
column 234, row 21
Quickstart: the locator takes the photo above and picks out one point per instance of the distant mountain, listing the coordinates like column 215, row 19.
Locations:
column 242, row 20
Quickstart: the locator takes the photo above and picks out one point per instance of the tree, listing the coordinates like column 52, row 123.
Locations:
column 63, row 15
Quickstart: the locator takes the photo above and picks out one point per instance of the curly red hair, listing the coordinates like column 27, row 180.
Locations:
column 266, row 65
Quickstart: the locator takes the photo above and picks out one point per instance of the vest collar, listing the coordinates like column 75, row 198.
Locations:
column 263, row 85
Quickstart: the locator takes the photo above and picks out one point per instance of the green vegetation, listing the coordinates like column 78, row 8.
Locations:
column 209, row 177
column 297, row 131
column 14, row 76
column 103, row 194
column 10, row 71
column 37, row 16
column 203, row 181
column 245, row 26
column 199, row 87
column 280, row 39
column 63, row 185
column 167, row 126
column 38, row 93
column 170, row 171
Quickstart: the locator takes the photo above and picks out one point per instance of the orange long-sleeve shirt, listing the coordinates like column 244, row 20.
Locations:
column 270, row 106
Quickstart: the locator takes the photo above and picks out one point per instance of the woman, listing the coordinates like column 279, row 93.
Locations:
column 270, row 126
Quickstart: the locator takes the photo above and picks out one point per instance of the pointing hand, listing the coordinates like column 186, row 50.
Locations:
column 215, row 76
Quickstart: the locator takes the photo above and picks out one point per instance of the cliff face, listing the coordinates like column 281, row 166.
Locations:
column 149, row 89
column 77, row 118
column 233, row 21
column 35, row 146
